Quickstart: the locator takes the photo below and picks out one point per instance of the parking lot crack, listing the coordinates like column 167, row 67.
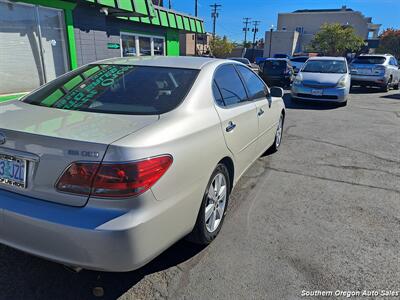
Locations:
column 344, row 147
column 348, row 167
column 335, row 180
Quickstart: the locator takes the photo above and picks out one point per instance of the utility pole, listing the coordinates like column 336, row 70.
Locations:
column 246, row 23
column 169, row 4
column 270, row 40
column 214, row 15
column 255, row 30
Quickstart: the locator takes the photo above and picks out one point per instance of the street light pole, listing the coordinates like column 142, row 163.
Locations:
column 270, row 40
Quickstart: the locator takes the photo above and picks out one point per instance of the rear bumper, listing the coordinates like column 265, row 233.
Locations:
column 328, row 94
column 89, row 237
column 369, row 80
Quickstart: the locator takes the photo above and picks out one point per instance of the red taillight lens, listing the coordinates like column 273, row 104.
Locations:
column 117, row 179
column 78, row 178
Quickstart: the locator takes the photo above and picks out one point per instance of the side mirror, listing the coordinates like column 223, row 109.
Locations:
column 277, row 92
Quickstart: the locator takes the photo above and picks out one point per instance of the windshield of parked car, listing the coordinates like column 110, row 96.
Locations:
column 369, row 60
column 275, row 67
column 117, row 89
column 325, row 66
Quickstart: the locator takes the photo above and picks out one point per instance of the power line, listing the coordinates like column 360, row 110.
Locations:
column 246, row 28
column 255, row 30
column 215, row 15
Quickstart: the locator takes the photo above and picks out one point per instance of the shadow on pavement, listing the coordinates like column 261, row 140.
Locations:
column 365, row 90
column 392, row 96
column 309, row 105
column 26, row 277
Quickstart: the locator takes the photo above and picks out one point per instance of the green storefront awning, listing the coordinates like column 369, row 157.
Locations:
column 144, row 11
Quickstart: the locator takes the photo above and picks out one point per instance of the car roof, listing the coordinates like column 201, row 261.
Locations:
column 183, row 62
column 379, row 55
column 327, row 58
column 278, row 58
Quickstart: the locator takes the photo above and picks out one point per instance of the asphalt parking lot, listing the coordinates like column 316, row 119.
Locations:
column 321, row 214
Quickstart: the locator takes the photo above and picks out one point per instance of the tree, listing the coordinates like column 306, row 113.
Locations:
column 221, row 47
column 336, row 40
column 390, row 42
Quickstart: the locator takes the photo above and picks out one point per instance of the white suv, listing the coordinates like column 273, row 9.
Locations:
column 381, row 70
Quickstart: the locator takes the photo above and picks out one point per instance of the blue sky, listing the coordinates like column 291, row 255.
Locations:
column 385, row 12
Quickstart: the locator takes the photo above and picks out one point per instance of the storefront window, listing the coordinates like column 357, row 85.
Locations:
column 128, row 45
column 158, row 46
column 145, row 46
column 141, row 45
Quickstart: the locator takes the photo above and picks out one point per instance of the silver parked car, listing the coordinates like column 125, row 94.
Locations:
column 379, row 70
column 323, row 79
column 108, row 165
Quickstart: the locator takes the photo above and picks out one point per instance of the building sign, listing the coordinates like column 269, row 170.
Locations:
column 113, row 46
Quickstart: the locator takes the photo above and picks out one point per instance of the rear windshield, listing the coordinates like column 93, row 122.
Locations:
column 275, row 67
column 369, row 60
column 117, row 89
column 325, row 66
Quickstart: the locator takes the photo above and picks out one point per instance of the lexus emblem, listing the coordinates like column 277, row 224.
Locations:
column 2, row 139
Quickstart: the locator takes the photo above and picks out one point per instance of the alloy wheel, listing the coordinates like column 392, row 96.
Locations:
column 278, row 137
column 216, row 202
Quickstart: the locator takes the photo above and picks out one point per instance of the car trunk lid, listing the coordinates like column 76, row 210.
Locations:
column 51, row 139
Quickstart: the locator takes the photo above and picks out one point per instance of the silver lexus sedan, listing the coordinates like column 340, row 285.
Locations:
column 107, row 166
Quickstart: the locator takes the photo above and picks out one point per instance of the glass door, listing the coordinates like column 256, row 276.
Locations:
column 33, row 47
column 53, row 42
column 21, row 67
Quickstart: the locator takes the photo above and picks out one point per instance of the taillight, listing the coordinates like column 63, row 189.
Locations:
column 110, row 180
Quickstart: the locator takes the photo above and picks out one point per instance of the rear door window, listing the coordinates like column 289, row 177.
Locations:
column 117, row 89
column 255, row 85
column 230, row 85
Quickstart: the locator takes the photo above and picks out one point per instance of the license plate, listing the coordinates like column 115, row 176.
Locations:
column 13, row 171
column 316, row 92
column 364, row 72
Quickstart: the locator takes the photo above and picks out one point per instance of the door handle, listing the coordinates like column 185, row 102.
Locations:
column 260, row 112
column 230, row 126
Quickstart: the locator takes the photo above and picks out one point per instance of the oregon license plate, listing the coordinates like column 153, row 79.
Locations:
column 316, row 92
column 13, row 171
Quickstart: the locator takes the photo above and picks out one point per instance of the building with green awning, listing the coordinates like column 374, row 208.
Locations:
column 43, row 39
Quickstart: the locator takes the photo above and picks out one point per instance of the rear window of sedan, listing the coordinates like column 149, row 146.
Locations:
column 369, row 60
column 117, row 89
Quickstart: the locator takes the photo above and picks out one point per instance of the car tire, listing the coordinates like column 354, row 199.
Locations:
column 396, row 86
column 204, row 232
column 278, row 135
column 386, row 87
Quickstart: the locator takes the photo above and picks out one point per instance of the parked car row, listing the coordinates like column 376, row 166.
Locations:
column 330, row 78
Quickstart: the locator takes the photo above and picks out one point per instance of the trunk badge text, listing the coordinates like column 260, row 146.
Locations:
column 2, row 139
column 79, row 153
